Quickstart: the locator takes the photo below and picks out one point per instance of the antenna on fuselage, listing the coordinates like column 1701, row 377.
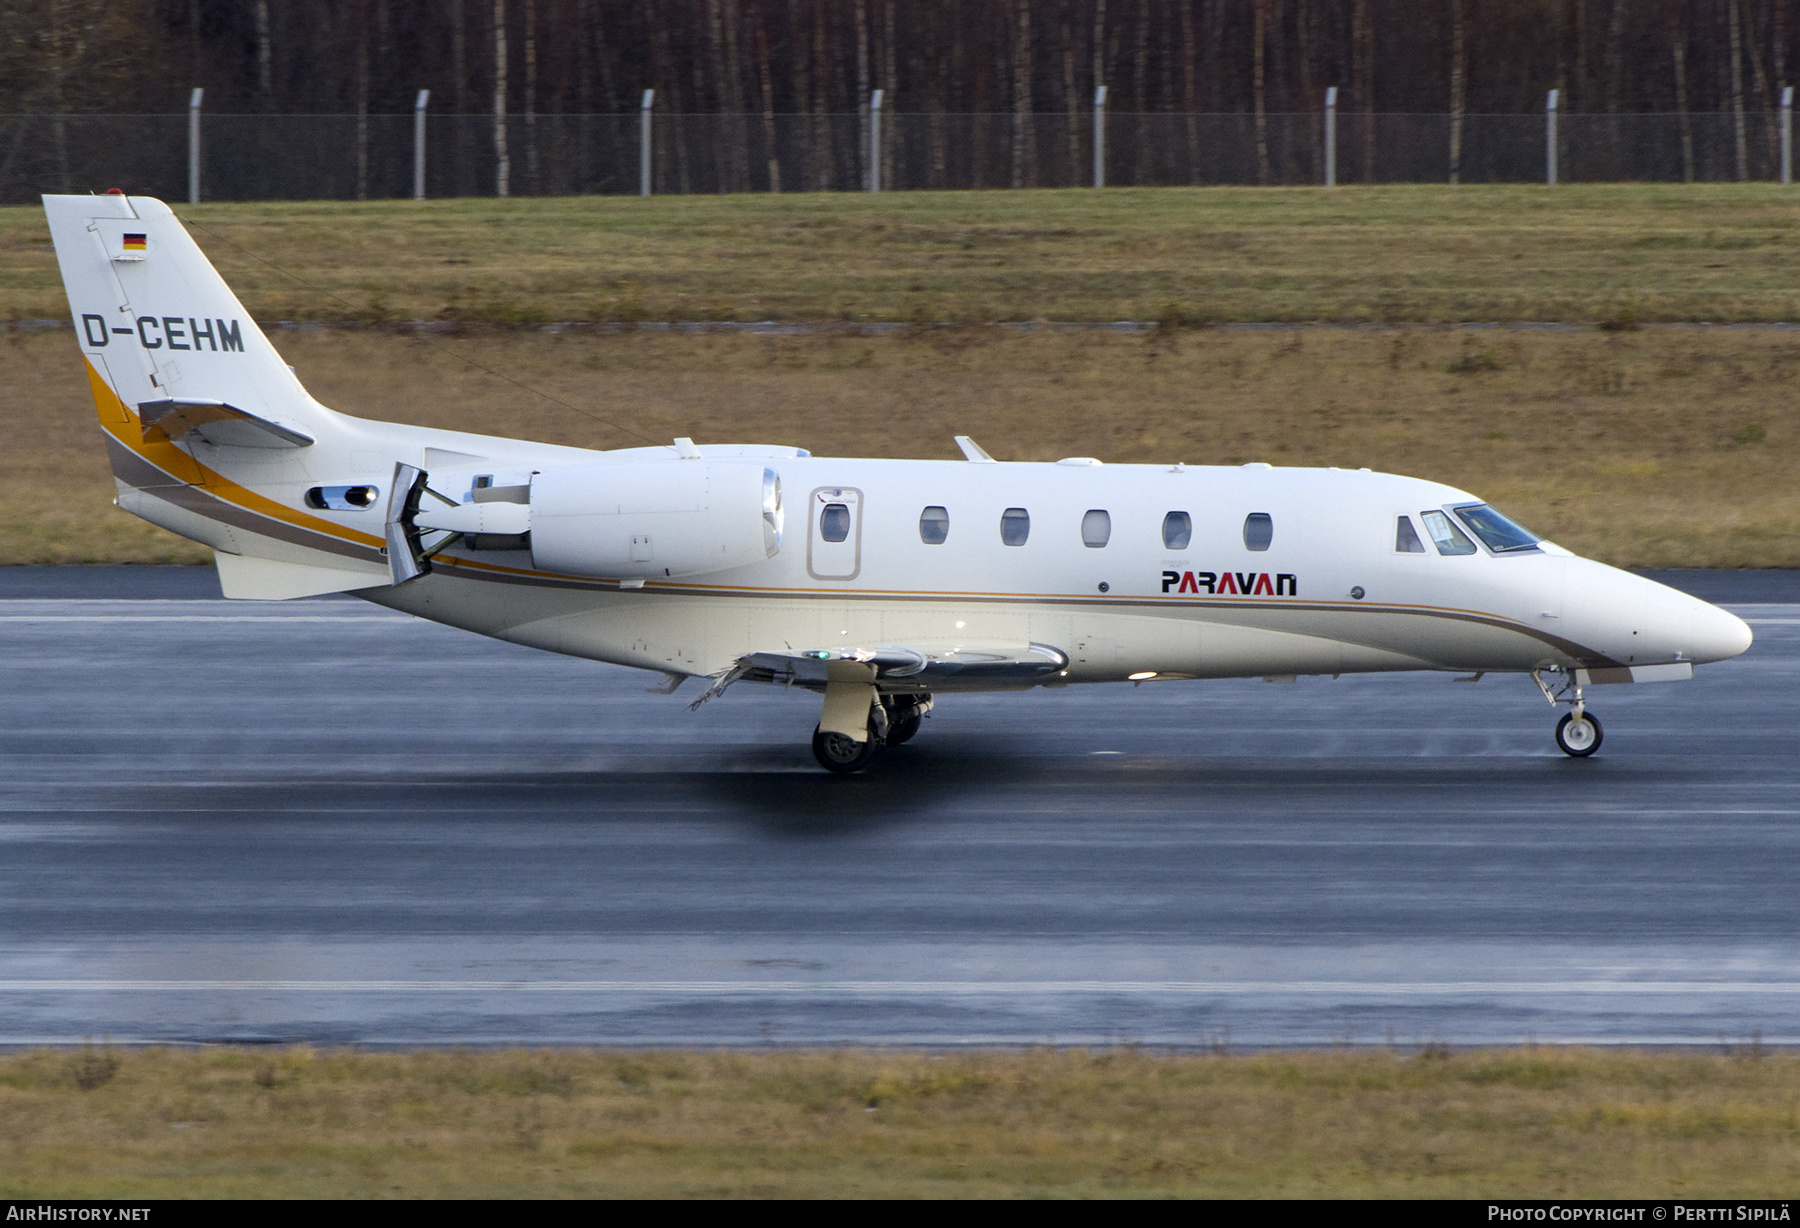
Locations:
column 974, row 451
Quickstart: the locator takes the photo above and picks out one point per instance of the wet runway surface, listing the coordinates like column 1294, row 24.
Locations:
column 321, row 821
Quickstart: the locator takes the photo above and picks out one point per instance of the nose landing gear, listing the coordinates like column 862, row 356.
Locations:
column 1578, row 733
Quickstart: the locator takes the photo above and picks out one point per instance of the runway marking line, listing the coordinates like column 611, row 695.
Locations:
column 1015, row 988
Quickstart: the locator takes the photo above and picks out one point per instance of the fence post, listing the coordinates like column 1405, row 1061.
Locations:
column 1550, row 138
column 419, row 105
column 1787, row 134
column 194, row 145
column 1331, row 136
column 1099, row 136
column 644, row 106
column 875, row 141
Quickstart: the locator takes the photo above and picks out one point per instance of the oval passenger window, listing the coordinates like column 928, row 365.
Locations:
column 1259, row 531
column 1096, row 528
column 1015, row 526
column 342, row 498
column 834, row 522
column 1178, row 531
column 934, row 526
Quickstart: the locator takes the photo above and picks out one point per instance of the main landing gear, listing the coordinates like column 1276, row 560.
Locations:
column 1578, row 733
column 893, row 720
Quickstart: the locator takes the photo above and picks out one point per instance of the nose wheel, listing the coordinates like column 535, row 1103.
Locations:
column 1579, row 734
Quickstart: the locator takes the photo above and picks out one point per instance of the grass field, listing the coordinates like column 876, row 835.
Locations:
column 1654, row 448
column 1540, row 1123
column 1413, row 253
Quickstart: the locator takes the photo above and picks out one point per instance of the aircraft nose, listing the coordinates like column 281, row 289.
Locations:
column 1719, row 634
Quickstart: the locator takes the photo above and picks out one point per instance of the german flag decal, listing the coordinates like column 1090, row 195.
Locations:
column 136, row 243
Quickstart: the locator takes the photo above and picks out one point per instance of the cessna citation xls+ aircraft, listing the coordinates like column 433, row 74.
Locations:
column 879, row 584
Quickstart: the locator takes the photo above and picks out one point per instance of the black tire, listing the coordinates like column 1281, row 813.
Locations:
column 837, row 753
column 1579, row 737
column 902, row 731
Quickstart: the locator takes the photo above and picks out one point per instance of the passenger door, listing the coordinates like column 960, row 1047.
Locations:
column 834, row 533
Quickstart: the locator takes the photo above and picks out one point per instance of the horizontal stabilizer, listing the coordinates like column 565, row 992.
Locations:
column 215, row 422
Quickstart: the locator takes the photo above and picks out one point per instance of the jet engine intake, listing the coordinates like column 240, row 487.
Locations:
column 654, row 520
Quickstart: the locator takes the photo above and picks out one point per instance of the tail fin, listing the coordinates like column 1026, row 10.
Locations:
column 159, row 326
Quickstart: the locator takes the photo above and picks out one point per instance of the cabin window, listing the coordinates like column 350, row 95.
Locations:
column 1445, row 535
column 1406, row 538
column 1499, row 533
column 934, row 526
column 1178, row 531
column 1015, row 526
column 1259, row 531
column 1096, row 528
column 834, row 522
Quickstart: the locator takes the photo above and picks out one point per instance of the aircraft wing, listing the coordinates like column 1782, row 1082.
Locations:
column 928, row 665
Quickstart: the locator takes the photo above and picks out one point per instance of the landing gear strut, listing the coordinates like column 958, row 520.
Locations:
column 1578, row 733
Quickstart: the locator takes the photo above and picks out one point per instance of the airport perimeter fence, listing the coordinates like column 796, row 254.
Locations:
column 347, row 157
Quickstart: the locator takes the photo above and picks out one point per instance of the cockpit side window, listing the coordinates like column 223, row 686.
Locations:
column 1497, row 532
column 1445, row 535
column 1406, row 538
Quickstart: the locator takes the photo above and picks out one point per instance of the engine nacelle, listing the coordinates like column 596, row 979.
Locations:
column 656, row 519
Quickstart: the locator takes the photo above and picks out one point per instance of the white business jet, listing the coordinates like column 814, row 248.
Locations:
column 879, row 584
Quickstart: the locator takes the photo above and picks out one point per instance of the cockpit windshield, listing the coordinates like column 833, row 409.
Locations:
column 1496, row 531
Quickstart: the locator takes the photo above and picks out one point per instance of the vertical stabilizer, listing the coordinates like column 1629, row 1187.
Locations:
column 157, row 322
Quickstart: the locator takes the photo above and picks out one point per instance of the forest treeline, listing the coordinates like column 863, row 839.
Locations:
column 944, row 56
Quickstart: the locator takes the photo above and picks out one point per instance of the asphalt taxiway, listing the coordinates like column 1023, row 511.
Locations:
column 321, row 821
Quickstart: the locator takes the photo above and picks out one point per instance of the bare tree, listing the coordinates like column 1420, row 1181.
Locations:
column 1362, row 40
column 1764, row 95
column 1190, row 96
column 1024, row 142
column 265, row 59
column 532, row 183
column 1140, row 80
column 1459, row 71
column 766, row 78
column 862, row 88
column 937, row 85
column 890, row 81
column 1678, row 50
column 1737, row 92
column 361, row 33
column 1259, row 89
column 1071, row 101
column 502, row 159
